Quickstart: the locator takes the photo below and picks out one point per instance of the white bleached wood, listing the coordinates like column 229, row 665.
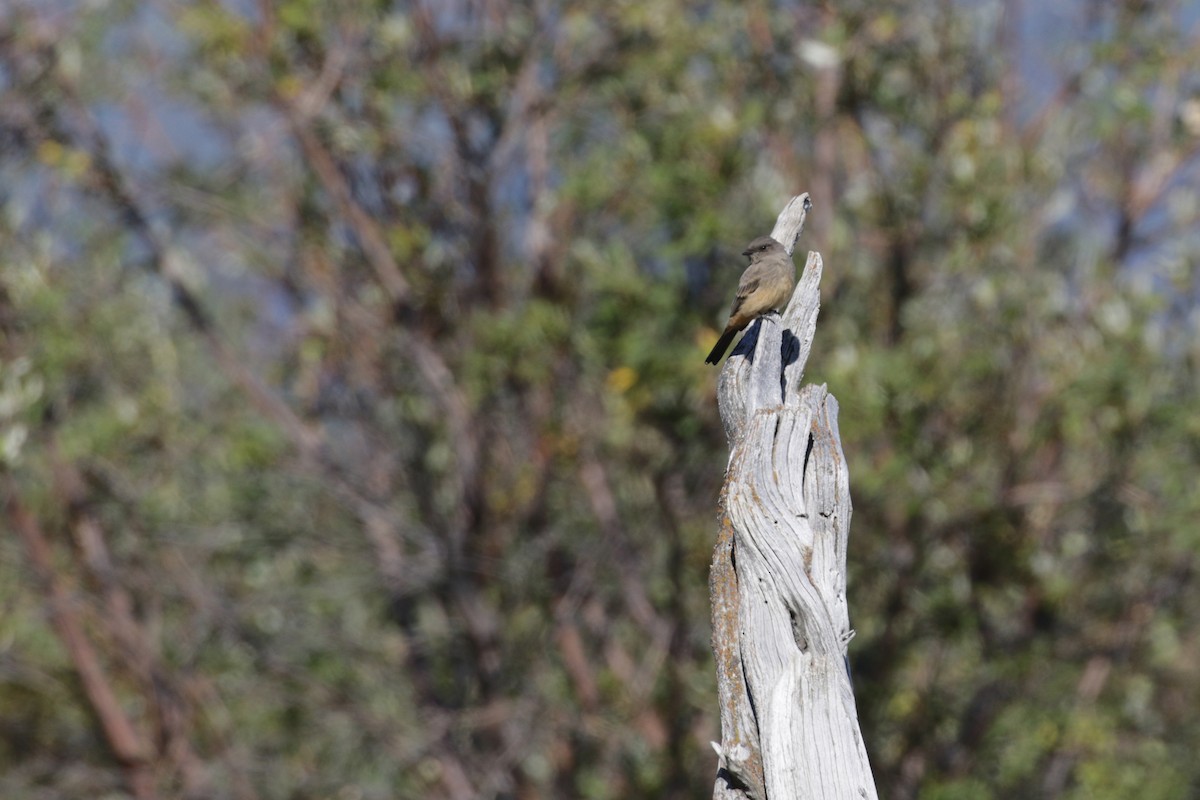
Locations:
column 791, row 221
column 778, row 584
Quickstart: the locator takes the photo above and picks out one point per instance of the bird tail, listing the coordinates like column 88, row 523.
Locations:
column 721, row 346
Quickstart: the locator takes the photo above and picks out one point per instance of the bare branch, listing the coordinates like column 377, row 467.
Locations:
column 129, row 747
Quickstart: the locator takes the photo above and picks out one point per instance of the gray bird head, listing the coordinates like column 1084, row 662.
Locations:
column 763, row 245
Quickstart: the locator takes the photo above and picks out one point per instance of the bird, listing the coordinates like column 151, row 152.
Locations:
column 765, row 286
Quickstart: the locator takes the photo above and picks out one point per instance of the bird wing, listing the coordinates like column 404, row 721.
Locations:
column 745, row 289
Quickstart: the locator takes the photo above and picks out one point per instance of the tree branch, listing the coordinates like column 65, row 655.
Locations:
column 130, row 749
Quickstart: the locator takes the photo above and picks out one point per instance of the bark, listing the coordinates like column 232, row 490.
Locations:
column 789, row 724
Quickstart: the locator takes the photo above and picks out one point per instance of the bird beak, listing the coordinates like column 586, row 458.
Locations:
column 747, row 252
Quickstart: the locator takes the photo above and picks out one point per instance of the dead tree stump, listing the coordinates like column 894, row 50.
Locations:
column 789, row 725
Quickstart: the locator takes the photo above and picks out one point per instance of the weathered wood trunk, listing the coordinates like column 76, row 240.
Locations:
column 789, row 725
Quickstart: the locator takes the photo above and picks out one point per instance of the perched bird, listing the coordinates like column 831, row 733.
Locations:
column 766, row 286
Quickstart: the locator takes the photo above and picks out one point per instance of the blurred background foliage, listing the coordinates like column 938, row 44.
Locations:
column 355, row 439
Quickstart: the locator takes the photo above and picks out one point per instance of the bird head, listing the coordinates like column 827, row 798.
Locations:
column 761, row 246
